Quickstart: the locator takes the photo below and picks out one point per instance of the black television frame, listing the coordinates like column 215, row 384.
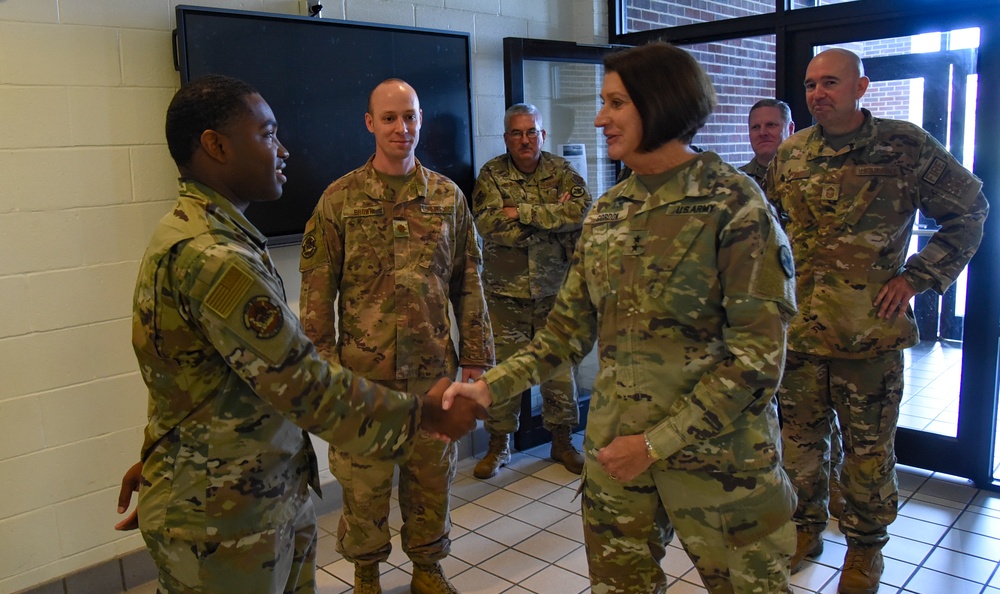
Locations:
column 446, row 138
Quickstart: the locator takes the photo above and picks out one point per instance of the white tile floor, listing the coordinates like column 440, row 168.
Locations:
column 520, row 532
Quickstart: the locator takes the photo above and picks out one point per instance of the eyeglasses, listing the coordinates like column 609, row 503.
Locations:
column 518, row 134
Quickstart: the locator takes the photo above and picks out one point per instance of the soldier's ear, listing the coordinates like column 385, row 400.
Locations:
column 215, row 145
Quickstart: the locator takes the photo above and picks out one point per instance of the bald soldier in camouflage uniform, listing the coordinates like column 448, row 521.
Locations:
column 529, row 206
column 234, row 384
column 850, row 188
column 388, row 247
column 683, row 277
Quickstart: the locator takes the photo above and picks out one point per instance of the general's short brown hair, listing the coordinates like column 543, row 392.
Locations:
column 669, row 88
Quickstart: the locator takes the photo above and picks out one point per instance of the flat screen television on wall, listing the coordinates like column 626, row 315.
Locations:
column 316, row 75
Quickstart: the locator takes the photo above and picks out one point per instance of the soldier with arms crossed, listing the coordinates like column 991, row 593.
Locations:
column 529, row 206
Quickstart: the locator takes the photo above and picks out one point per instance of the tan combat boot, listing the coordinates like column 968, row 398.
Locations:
column 862, row 570
column 808, row 545
column 497, row 456
column 366, row 579
column 429, row 579
column 563, row 450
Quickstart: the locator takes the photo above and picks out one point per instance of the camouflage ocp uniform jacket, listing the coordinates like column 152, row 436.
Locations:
column 756, row 171
column 849, row 215
column 687, row 291
column 390, row 265
column 527, row 258
column 234, row 382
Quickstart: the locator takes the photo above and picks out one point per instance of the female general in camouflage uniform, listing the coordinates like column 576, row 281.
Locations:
column 683, row 276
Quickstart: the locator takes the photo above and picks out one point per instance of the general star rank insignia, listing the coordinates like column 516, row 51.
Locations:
column 263, row 317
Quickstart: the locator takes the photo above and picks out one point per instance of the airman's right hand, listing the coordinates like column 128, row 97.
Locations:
column 453, row 423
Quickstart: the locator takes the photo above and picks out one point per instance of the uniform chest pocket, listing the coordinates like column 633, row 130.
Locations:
column 863, row 185
column 365, row 242
column 431, row 238
column 655, row 260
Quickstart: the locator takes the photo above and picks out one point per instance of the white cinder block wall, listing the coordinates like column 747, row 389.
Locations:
column 84, row 175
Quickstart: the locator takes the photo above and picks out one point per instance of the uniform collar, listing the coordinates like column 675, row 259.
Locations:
column 196, row 189
column 541, row 172
column 688, row 182
column 817, row 147
column 376, row 189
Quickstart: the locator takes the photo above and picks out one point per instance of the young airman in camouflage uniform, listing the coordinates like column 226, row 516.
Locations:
column 683, row 277
column 529, row 206
column 388, row 247
column 234, row 384
column 849, row 189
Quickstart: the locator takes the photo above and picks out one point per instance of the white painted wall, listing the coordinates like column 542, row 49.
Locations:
column 84, row 175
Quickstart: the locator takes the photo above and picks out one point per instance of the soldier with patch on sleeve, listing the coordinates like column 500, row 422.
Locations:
column 529, row 206
column 234, row 383
column 848, row 189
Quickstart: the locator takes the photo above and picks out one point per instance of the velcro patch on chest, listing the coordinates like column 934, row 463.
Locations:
column 691, row 209
column 607, row 217
column 363, row 211
column 877, row 170
column 436, row 208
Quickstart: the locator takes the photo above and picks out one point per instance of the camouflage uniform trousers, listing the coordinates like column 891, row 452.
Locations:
column 864, row 394
column 627, row 527
column 282, row 559
column 424, row 486
column 515, row 322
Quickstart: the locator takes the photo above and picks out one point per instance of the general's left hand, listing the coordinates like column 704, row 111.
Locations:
column 625, row 458
column 130, row 485
column 893, row 297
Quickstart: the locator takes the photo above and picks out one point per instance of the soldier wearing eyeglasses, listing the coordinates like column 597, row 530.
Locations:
column 529, row 206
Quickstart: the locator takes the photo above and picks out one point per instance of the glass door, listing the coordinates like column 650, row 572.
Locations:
column 948, row 412
column 563, row 80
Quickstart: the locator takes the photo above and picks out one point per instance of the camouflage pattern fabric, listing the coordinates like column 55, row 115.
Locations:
column 528, row 257
column 395, row 263
column 234, row 383
column 756, row 171
column 865, row 396
column 848, row 215
column 515, row 322
column 425, row 480
column 524, row 263
column 645, row 512
column 391, row 265
column 280, row 559
column 687, row 291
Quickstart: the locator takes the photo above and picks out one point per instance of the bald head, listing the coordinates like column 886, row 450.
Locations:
column 835, row 83
column 394, row 118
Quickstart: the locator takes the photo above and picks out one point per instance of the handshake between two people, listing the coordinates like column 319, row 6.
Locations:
column 449, row 409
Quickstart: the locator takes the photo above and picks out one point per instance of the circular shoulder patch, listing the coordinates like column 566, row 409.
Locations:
column 262, row 317
column 308, row 246
column 787, row 263
column 577, row 191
